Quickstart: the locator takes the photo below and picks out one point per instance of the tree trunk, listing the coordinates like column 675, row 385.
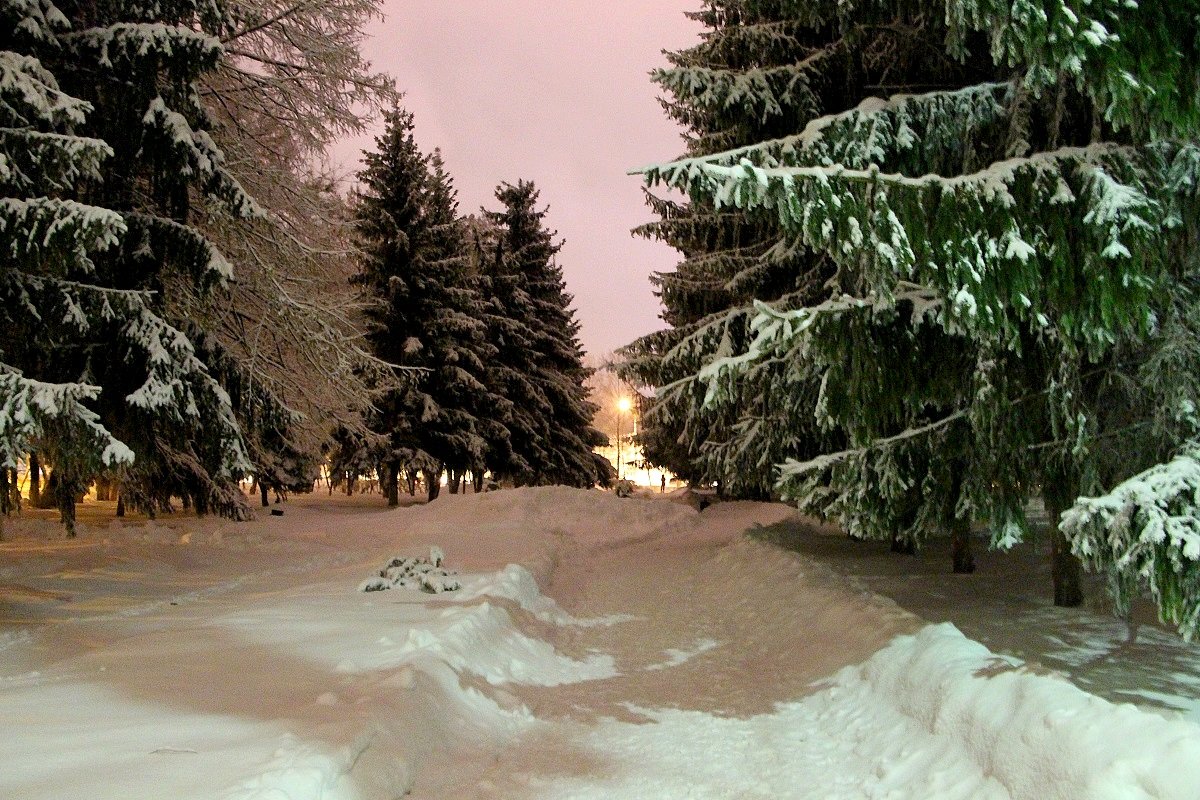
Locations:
column 120, row 506
column 960, row 547
column 5, row 492
column 64, row 498
column 1066, row 571
column 410, row 480
column 452, row 483
column 35, row 480
column 389, row 482
column 262, row 495
column 1065, row 568
column 433, row 483
column 477, row 480
column 903, row 545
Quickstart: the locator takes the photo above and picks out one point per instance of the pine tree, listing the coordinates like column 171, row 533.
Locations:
column 453, row 346
column 100, row 376
column 425, row 314
column 539, row 361
column 762, row 70
column 1014, row 276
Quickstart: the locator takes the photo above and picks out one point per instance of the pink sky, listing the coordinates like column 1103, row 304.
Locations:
column 556, row 93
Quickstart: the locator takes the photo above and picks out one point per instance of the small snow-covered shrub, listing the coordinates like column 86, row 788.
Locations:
column 426, row 574
column 624, row 488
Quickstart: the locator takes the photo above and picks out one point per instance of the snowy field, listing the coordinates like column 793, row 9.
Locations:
column 597, row 648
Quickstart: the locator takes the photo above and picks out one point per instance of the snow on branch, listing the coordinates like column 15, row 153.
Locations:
column 29, row 94
column 777, row 331
column 768, row 90
column 40, row 20
column 792, row 470
column 39, row 230
column 200, row 156
column 1146, row 534
column 889, row 227
column 36, row 162
column 199, row 255
column 150, row 41
column 875, row 131
column 28, row 406
column 1101, row 47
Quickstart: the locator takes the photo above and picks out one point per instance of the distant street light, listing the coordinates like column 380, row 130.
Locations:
column 623, row 404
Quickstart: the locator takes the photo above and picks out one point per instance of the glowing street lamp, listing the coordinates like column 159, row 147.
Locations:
column 623, row 404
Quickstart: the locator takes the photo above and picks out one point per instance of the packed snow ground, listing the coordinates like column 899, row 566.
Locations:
column 598, row 647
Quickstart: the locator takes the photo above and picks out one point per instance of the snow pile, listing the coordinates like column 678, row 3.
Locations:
column 1036, row 735
column 933, row 716
column 484, row 640
column 516, row 583
column 428, row 575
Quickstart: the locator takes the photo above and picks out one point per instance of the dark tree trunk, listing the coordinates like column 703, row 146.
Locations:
column 64, row 497
column 262, row 495
column 389, row 478
column 410, row 480
column 962, row 558
column 903, row 545
column 477, row 480
column 349, row 483
column 120, row 506
column 433, row 483
column 35, row 480
column 1065, row 569
column 452, row 483
column 6, row 504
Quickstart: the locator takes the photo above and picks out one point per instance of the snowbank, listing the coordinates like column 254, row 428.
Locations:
column 933, row 716
column 1036, row 735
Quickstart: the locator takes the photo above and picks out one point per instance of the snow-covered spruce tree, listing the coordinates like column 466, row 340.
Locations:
column 539, row 360
column 46, row 237
column 727, row 259
column 425, row 314
column 1027, row 240
column 453, row 345
column 762, row 70
column 98, row 376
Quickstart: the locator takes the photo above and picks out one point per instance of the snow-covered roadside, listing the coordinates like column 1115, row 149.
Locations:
column 598, row 647
column 1007, row 606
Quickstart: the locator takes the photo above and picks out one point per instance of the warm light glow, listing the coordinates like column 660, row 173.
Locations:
column 623, row 404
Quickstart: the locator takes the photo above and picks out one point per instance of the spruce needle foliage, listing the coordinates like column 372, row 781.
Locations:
column 1003, row 219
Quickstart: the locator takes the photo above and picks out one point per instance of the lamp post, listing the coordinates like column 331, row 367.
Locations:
column 622, row 405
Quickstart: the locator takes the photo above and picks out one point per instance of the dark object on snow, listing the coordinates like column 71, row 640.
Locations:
column 428, row 575
column 276, row 512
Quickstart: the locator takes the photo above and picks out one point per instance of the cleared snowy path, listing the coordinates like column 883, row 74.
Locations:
column 599, row 648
